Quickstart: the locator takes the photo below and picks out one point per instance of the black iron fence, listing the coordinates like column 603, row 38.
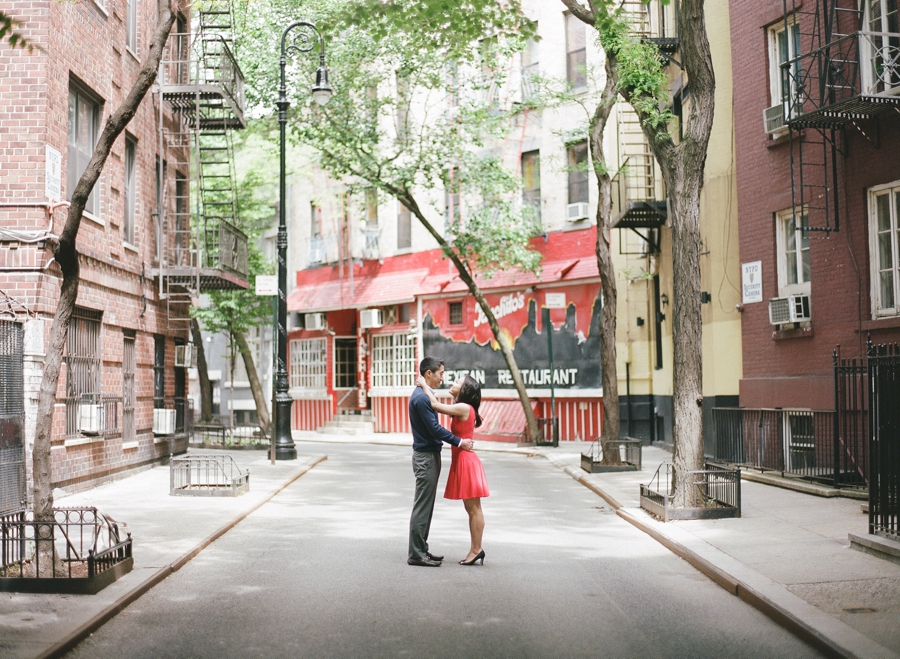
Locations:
column 79, row 543
column 851, row 422
column 791, row 442
column 884, row 424
column 712, row 493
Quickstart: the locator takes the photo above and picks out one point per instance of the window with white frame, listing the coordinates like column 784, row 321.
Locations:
column 393, row 360
column 530, row 67
column 84, row 125
column 308, row 363
column 131, row 25
column 576, row 51
column 884, row 202
column 881, row 47
column 128, row 219
column 784, row 45
column 793, row 252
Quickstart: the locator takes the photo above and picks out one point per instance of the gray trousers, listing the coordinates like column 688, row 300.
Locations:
column 427, row 469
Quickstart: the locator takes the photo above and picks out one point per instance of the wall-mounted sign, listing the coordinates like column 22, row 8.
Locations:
column 267, row 284
column 751, row 282
column 53, row 173
column 555, row 300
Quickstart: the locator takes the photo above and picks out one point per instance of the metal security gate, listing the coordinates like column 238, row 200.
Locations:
column 12, row 417
column 884, row 424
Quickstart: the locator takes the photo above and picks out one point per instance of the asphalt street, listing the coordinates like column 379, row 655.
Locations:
column 320, row 571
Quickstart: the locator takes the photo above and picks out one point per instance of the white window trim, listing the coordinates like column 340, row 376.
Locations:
column 875, row 288
column 305, row 373
column 785, row 289
column 402, row 372
column 868, row 51
column 775, row 68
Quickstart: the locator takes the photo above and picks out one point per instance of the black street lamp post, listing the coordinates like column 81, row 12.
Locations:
column 304, row 41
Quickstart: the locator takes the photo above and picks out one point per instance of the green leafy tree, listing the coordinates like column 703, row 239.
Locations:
column 413, row 116
column 9, row 31
column 637, row 73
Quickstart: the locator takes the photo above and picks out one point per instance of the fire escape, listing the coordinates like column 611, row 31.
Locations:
column 845, row 73
column 200, row 247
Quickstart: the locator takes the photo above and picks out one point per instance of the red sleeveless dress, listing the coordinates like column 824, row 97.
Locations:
column 466, row 479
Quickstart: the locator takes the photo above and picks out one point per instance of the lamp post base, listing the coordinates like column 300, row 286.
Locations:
column 284, row 443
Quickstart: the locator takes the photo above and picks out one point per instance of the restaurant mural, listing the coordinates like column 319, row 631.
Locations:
column 457, row 331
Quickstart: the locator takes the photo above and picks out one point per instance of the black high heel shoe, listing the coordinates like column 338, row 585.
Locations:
column 479, row 557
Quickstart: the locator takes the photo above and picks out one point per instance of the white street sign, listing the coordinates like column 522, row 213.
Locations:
column 267, row 284
column 555, row 300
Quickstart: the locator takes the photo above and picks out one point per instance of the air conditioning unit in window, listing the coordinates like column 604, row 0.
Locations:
column 314, row 321
column 163, row 422
column 790, row 309
column 576, row 212
column 184, row 355
column 773, row 118
column 316, row 256
column 89, row 415
column 370, row 318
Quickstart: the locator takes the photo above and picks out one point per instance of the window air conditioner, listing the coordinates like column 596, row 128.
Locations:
column 576, row 212
column 184, row 355
column 163, row 422
column 370, row 318
column 790, row 309
column 316, row 256
column 773, row 118
column 314, row 321
column 89, row 415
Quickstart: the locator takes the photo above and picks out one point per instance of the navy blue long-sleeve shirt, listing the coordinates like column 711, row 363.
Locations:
column 426, row 431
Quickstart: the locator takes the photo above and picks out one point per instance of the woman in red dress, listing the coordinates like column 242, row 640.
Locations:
column 466, row 479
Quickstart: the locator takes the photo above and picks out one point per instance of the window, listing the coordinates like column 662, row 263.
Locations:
column 403, row 98
column 403, row 313
column 531, row 183
column 883, row 45
column 884, row 203
column 128, row 396
column 128, row 220
column 530, row 68
column 131, row 25
column 578, row 173
column 372, row 208
column 576, row 53
column 451, row 200
column 82, row 365
column 793, row 253
column 453, row 84
column 404, row 228
column 182, row 220
column 456, row 313
column 345, row 363
column 159, row 371
column 84, row 121
column 488, row 49
column 160, row 183
column 308, row 363
column 393, row 360
column 784, row 46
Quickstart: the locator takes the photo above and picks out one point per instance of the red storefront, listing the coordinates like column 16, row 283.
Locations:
column 361, row 334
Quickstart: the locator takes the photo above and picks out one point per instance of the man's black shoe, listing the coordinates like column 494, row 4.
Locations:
column 424, row 562
column 433, row 557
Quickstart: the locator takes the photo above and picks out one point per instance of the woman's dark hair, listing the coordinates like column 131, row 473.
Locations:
column 470, row 393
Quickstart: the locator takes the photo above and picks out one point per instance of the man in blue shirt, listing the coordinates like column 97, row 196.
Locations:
column 428, row 436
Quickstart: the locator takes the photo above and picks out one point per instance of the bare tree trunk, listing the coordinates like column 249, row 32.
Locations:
column 259, row 397
column 202, row 373
column 66, row 255
column 611, row 426
column 466, row 276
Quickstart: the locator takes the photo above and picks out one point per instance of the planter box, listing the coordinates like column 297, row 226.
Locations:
column 629, row 455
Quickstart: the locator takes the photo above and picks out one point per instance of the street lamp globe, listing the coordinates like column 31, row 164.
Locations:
column 321, row 91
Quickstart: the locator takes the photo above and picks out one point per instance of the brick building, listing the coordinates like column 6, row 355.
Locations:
column 817, row 136
column 122, row 399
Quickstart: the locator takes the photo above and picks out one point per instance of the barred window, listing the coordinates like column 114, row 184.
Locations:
column 82, row 365
column 308, row 363
column 393, row 360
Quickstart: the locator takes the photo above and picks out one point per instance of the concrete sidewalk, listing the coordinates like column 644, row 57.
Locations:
column 168, row 531
column 788, row 555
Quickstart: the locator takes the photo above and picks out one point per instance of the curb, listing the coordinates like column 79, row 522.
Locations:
column 59, row 648
column 865, row 648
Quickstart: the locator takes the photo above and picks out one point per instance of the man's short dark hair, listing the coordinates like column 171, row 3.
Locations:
column 430, row 364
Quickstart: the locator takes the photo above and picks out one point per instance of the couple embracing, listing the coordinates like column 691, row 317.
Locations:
column 466, row 479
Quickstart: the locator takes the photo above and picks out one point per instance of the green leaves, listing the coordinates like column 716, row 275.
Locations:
column 16, row 39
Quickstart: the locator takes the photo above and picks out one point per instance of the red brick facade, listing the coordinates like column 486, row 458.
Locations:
column 83, row 44
column 793, row 368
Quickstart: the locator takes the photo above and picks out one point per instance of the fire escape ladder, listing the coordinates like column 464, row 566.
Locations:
column 201, row 247
column 638, row 187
